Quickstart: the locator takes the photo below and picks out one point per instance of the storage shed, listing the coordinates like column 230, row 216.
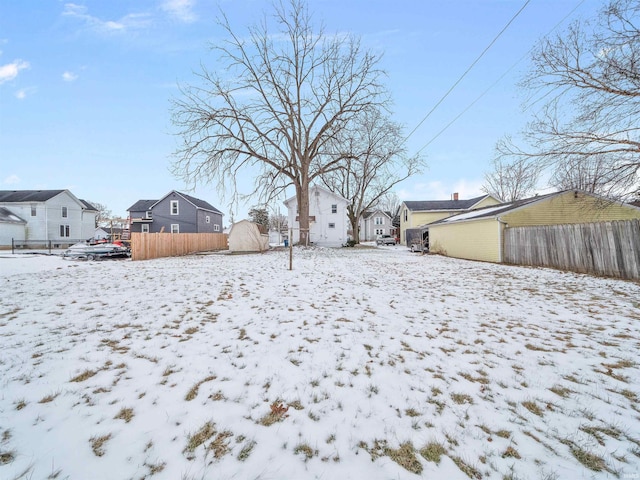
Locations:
column 245, row 236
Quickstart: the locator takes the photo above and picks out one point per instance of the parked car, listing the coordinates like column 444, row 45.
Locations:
column 385, row 240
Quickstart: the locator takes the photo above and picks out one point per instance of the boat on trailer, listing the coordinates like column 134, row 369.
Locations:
column 96, row 251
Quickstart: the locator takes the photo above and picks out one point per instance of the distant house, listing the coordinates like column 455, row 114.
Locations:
column 48, row 215
column 417, row 213
column 374, row 223
column 478, row 234
column 328, row 223
column 174, row 213
column 245, row 236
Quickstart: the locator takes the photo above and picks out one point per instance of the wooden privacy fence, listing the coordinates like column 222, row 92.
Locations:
column 604, row 248
column 145, row 246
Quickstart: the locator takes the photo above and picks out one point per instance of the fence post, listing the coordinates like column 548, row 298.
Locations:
column 12, row 246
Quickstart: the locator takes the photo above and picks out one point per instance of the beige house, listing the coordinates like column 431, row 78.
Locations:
column 245, row 236
column 478, row 234
column 416, row 213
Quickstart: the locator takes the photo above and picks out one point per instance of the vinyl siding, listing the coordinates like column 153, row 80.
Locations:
column 486, row 202
column 566, row 209
column 476, row 240
column 415, row 219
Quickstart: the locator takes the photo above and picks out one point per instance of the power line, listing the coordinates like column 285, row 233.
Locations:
column 468, row 70
column 496, row 82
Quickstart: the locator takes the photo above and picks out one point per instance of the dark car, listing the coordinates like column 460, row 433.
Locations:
column 385, row 240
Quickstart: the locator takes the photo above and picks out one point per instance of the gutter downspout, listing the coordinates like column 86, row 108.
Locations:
column 501, row 238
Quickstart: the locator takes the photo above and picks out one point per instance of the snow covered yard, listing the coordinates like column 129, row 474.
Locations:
column 359, row 363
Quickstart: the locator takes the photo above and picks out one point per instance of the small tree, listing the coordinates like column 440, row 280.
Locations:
column 104, row 216
column 260, row 216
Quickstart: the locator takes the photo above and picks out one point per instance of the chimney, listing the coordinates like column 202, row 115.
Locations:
column 455, row 196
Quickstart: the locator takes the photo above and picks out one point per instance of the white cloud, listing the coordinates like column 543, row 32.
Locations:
column 11, row 70
column 128, row 22
column 180, row 9
column 12, row 180
column 69, row 76
column 25, row 92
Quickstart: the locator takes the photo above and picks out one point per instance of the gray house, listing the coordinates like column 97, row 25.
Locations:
column 174, row 213
column 375, row 223
column 45, row 215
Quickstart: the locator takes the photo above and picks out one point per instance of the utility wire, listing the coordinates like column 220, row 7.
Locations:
column 496, row 82
column 468, row 69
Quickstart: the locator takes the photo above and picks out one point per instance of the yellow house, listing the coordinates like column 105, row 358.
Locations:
column 416, row 213
column 478, row 235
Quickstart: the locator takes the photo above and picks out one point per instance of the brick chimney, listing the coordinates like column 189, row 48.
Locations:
column 455, row 196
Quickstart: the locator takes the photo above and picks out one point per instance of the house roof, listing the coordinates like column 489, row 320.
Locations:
column 88, row 205
column 369, row 213
column 317, row 187
column 426, row 205
column 6, row 216
column 144, row 205
column 496, row 210
column 15, row 196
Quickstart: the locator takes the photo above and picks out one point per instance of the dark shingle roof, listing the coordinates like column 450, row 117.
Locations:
column 87, row 205
column 141, row 206
column 6, row 216
column 200, row 203
column 420, row 206
column 28, row 195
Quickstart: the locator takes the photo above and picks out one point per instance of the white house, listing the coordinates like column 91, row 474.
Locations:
column 328, row 222
column 374, row 223
column 49, row 215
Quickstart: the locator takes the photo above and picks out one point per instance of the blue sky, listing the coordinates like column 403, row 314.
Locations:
column 85, row 86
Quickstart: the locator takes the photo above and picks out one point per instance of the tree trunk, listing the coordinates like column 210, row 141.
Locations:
column 302, row 192
column 353, row 220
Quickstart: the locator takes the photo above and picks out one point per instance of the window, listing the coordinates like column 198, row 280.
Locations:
column 405, row 214
column 332, row 225
column 174, row 207
column 64, row 231
column 145, row 228
column 379, row 221
column 379, row 231
column 216, row 228
column 64, row 212
column 33, row 210
column 175, row 228
column 149, row 215
column 334, row 208
column 207, row 219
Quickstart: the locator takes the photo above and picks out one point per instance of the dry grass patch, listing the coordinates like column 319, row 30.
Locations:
column 405, row 456
column 205, row 432
column 6, row 457
column 461, row 398
column 49, row 398
column 125, row 414
column 561, row 391
column 193, row 393
column 433, row 452
column 245, row 452
column 467, row 469
column 277, row 414
column 81, row 377
column 97, row 444
column 533, row 407
column 306, row 450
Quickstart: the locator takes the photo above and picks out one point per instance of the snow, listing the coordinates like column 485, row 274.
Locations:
column 108, row 369
column 475, row 213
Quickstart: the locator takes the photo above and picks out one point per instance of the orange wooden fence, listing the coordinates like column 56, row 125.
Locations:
column 145, row 246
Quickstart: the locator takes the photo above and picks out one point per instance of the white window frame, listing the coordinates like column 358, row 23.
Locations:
column 334, row 208
column 148, row 215
column 175, row 228
column 379, row 231
column 216, row 228
column 65, row 231
column 378, row 221
column 174, row 208
column 65, row 212
column 332, row 225
column 34, row 210
column 207, row 219
column 145, row 228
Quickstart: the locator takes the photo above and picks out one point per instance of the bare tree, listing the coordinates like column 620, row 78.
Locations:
column 376, row 161
column 586, row 84
column 283, row 100
column 390, row 202
column 511, row 181
column 104, row 216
